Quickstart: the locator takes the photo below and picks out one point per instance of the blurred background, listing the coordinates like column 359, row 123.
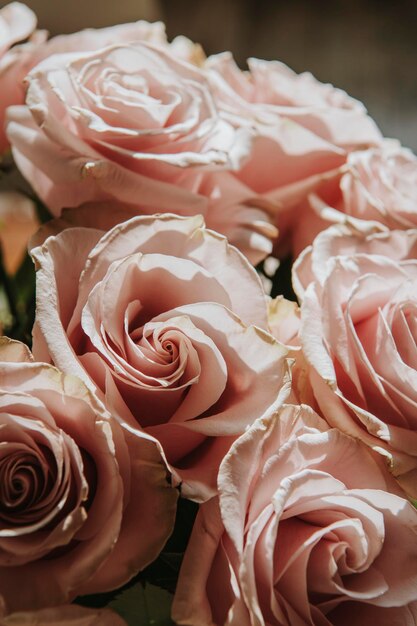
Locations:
column 368, row 48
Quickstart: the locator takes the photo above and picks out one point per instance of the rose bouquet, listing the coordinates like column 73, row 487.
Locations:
column 208, row 356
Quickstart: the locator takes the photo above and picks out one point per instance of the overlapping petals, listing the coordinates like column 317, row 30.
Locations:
column 135, row 125
column 380, row 185
column 358, row 334
column 168, row 323
column 305, row 130
column 74, row 502
column 306, row 531
column 376, row 186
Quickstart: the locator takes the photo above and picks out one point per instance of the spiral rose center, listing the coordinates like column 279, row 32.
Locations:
column 24, row 480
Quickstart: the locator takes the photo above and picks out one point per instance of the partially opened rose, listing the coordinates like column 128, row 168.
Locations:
column 357, row 237
column 376, row 185
column 133, row 125
column 80, row 510
column 309, row 530
column 380, row 185
column 358, row 333
column 167, row 323
column 305, row 130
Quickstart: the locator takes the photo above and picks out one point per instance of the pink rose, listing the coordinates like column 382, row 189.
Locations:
column 78, row 513
column 167, row 323
column 353, row 237
column 68, row 615
column 308, row 529
column 17, row 23
column 304, row 130
column 376, row 185
column 358, row 333
column 134, row 126
column 380, row 185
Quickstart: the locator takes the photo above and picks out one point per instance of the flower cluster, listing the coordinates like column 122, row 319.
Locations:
column 161, row 369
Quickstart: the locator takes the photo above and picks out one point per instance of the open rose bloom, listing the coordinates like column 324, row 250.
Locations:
column 73, row 498
column 132, row 125
column 305, row 531
column 168, row 324
column 358, row 334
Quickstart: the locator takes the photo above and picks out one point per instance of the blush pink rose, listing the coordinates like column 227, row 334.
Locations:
column 68, row 615
column 17, row 24
column 305, row 130
column 79, row 514
column 309, row 529
column 380, row 185
column 358, row 334
column 167, row 323
column 376, row 185
column 135, row 126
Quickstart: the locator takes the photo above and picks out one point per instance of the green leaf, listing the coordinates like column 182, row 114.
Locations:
column 17, row 301
column 144, row 605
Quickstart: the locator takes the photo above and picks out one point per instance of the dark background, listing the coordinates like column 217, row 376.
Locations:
column 368, row 48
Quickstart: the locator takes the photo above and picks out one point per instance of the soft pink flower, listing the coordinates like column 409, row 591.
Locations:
column 309, row 530
column 380, row 185
column 17, row 23
column 68, row 615
column 358, row 333
column 305, row 130
column 353, row 237
column 167, row 322
column 133, row 125
column 81, row 510
column 376, row 185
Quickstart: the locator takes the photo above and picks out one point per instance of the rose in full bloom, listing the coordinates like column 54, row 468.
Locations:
column 23, row 58
column 17, row 23
column 134, row 126
column 79, row 513
column 167, row 323
column 305, row 130
column 309, row 529
column 67, row 615
column 358, row 334
column 376, row 185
